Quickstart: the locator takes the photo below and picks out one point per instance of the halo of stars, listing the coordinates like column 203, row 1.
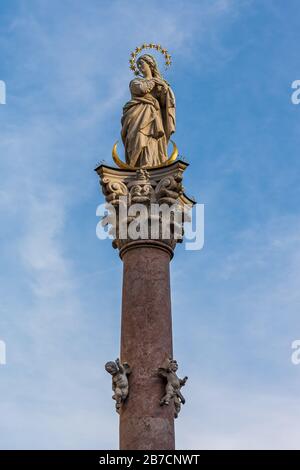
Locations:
column 136, row 52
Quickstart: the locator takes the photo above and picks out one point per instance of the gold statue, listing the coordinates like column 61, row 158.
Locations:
column 148, row 119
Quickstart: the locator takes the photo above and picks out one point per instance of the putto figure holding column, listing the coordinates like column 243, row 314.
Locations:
column 173, row 385
column 119, row 373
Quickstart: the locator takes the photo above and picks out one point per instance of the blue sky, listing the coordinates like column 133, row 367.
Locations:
column 235, row 303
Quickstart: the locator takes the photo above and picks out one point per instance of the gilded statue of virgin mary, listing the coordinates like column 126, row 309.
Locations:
column 148, row 119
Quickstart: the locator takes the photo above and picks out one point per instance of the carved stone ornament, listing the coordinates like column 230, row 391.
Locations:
column 173, row 385
column 120, row 387
column 145, row 204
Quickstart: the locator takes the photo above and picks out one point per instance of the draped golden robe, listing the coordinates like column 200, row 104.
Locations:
column 148, row 122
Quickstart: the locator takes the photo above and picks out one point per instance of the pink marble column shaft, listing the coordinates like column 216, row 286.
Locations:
column 146, row 341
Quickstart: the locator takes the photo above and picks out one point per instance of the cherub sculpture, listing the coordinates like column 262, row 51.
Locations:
column 173, row 386
column 119, row 373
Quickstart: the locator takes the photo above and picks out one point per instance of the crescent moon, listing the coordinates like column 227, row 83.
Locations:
column 125, row 166
column 173, row 156
column 118, row 161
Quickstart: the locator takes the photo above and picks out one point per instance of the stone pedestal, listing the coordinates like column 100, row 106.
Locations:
column 146, row 327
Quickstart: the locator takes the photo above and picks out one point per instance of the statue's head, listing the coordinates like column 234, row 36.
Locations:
column 173, row 365
column 111, row 367
column 147, row 61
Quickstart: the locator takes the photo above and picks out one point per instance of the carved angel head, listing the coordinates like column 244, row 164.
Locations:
column 111, row 367
column 173, row 365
